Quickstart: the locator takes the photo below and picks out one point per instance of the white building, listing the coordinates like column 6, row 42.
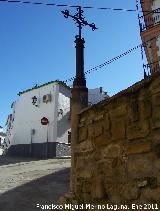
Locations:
column 2, row 138
column 39, row 125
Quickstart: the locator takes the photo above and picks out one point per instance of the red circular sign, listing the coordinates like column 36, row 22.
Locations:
column 44, row 121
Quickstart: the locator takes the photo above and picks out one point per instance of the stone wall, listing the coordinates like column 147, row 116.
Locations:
column 117, row 158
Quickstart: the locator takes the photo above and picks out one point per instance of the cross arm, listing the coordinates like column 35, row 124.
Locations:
column 79, row 20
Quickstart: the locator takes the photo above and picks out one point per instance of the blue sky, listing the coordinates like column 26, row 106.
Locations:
column 37, row 46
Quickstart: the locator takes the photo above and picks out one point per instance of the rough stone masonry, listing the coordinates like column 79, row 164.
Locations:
column 117, row 155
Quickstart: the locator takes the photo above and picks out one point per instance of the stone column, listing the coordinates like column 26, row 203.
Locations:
column 78, row 102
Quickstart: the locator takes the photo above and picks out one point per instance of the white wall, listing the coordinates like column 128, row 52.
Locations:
column 28, row 116
column 63, row 122
column 2, row 139
column 1, row 151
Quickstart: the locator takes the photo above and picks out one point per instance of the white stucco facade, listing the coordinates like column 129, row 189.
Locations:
column 28, row 116
column 26, row 134
column 2, row 138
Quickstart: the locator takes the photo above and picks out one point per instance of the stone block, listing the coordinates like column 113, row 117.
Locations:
column 99, row 141
column 86, row 198
column 83, row 119
column 138, row 130
column 66, row 199
column 146, row 109
column 149, row 195
column 140, row 165
column 98, row 129
column 152, row 182
column 102, row 140
column 120, row 111
column 156, row 118
column 78, row 188
column 83, row 133
column 143, row 183
column 147, row 182
column 106, row 123
column 156, row 100
column 106, row 166
column 98, row 190
column 130, row 192
column 80, row 162
column 156, row 166
column 91, row 131
column 118, row 129
column 138, row 147
column 90, row 120
column 113, row 191
column 86, row 186
column 85, row 157
column 158, row 178
column 155, row 122
column 157, row 150
column 99, row 117
column 97, row 154
column 119, row 171
column 81, row 124
column 85, row 146
column 155, row 86
column 135, row 110
column 113, row 168
column 84, row 173
column 111, row 151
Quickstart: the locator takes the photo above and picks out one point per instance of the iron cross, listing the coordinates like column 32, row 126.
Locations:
column 79, row 19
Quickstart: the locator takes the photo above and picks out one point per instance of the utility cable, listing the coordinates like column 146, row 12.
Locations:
column 76, row 6
column 96, row 68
